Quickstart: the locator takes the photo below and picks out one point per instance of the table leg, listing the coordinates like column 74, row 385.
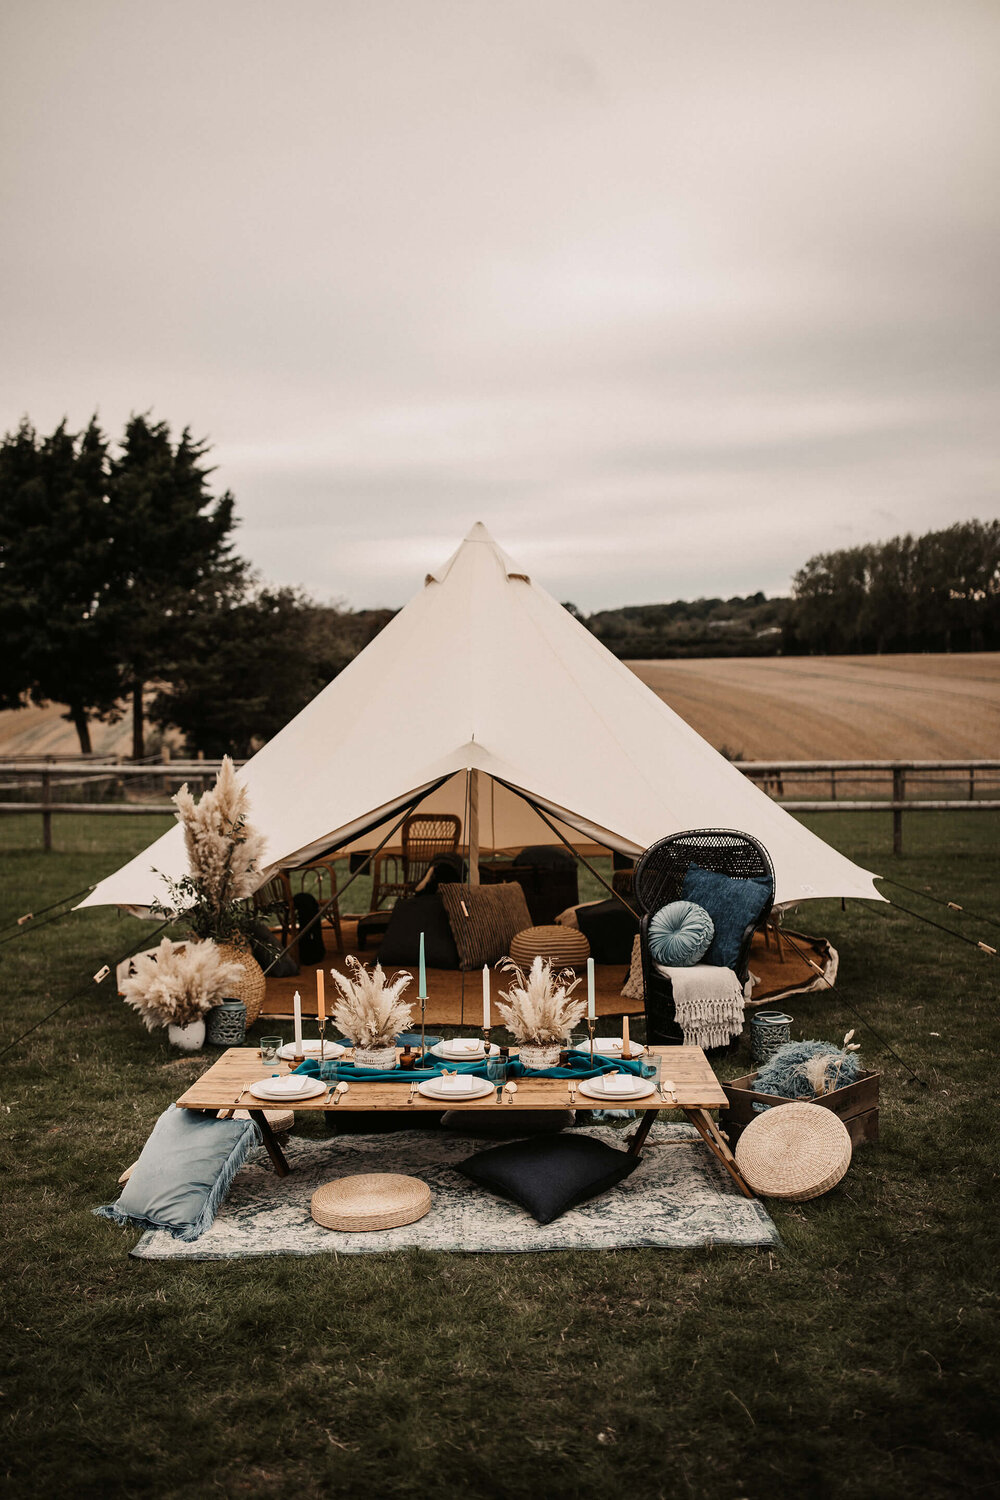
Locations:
column 637, row 1139
column 709, row 1132
column 271, row 1146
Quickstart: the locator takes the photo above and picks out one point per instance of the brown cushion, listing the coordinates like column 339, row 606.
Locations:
column 484, row 919
column 562, row 946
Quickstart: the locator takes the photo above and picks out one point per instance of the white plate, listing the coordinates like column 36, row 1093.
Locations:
column 310, row 1049
column 448, row 1051
column 639, row 1088
column 611, row 1046
column 288, row 1089
column 473, row 1088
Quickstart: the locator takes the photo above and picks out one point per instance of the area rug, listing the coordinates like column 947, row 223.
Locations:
column 677, row 1198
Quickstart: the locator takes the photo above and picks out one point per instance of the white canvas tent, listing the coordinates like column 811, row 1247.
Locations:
column 484, row 672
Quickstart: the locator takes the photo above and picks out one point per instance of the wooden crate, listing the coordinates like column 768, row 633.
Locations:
column 855, row 1103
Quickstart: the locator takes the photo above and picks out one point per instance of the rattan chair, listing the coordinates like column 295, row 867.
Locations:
column 320, row 879
column 659, row 877
column 425, row 835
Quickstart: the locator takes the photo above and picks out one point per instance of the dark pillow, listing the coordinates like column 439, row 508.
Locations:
column 546, row 857
column 733, row 903
column 425, row 914
column 551, row 1173
column 312, row 948
column 609, row 928
column 266, row 948
column 506, row 1125
column 483, row 919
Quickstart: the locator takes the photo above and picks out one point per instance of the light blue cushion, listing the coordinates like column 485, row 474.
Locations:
column 679, row 934
column 184, row 1173
column 734, row 905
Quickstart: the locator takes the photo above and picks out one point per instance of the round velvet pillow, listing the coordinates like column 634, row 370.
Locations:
column 680, row 934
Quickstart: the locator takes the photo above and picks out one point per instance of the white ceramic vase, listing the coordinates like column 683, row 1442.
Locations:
column 381, row 1058
column 189, row 1038
column 537, row 1055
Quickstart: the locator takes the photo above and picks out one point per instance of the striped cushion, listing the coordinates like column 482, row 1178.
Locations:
column 484, row 919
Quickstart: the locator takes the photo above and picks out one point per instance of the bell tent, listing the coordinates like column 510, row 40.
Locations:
column 485, row 697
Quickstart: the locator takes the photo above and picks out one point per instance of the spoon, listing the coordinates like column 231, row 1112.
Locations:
column 340, row 1091
column 511, row 1091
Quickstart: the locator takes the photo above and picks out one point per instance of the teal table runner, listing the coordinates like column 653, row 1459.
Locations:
column 580, row 1066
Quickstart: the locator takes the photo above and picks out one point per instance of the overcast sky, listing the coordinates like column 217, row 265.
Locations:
column 670, row 295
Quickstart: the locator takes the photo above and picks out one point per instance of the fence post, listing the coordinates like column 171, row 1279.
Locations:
column 46, row 816
column 833, row 784
column 972, row 783
column 898, row 793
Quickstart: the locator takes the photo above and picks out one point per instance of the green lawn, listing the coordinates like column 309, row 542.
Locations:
column 857, row 1361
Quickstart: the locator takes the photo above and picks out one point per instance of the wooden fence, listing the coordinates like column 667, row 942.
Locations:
column 126, row 787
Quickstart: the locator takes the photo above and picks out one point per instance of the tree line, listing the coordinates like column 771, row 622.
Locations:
column 936, row 592
column 120, row 584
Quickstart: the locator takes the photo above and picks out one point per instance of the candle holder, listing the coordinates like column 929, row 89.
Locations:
column 423, row 1025
column 486, row 1042
column 590, row 1032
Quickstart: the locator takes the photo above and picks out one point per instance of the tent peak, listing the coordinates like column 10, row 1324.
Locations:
column 478, row 536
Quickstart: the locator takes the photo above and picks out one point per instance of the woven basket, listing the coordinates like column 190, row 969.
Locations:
column 796, row 1151
column 564, row 947
column 252, row 988
column 370, row 1200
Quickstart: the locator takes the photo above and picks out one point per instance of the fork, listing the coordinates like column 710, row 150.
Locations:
column 413, row 1091
column 572, row 1095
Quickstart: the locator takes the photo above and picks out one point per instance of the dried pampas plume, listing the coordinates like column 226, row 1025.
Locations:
column 178, row 983
column 223, row 850
column 539, row 1008
column 368, row 1008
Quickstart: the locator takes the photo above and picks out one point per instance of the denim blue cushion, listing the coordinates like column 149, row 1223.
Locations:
column 732, row 903
column 184, row 1173
column 679, row 934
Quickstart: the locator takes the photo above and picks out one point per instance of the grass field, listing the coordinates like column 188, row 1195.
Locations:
column 858, row 1361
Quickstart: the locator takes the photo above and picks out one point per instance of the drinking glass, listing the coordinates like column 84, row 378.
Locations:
column 269, row 1048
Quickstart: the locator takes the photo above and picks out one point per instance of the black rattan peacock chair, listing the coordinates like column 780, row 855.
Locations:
column 659, row 876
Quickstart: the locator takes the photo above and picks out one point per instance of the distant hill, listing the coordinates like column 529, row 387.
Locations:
column 741, row 626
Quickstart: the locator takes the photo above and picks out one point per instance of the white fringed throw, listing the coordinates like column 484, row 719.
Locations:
column 708, row 1003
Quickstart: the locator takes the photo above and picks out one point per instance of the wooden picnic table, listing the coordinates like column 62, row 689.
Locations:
column 695, row 1091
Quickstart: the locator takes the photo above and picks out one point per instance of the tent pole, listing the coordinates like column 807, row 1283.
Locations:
column 473, row 826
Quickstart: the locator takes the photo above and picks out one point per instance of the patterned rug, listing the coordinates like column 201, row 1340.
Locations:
column 677, row 1198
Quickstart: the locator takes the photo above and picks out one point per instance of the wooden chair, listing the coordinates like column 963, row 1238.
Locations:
column 424, row 836
column 273, row 901
column 658, row 880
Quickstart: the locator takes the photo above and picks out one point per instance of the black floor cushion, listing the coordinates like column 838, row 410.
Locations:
column 425, row 914
column 550, row 1174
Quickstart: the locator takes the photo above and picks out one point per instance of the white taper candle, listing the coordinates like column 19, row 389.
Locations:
column 297, row 1011
column 486, row 994
column 591, row 1003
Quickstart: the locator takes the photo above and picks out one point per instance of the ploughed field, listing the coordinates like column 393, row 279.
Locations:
column 942, row 707
column 793, row 708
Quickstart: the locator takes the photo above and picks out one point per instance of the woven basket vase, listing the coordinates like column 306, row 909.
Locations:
column 370, row 1200
column 794, row 1151
column 564, row 947
column 253, row 986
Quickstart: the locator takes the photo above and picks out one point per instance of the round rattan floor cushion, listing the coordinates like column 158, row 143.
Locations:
column 562, row 946
column 794, row 1151
column 280, row 1120
column 370, row 1200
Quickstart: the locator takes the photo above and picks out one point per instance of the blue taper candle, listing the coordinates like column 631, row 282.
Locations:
column 422, row 988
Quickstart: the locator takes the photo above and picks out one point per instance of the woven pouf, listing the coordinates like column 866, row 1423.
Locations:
column 564, row 947
column 370, row 1200
column 794, row 1151
column 280, row 1120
